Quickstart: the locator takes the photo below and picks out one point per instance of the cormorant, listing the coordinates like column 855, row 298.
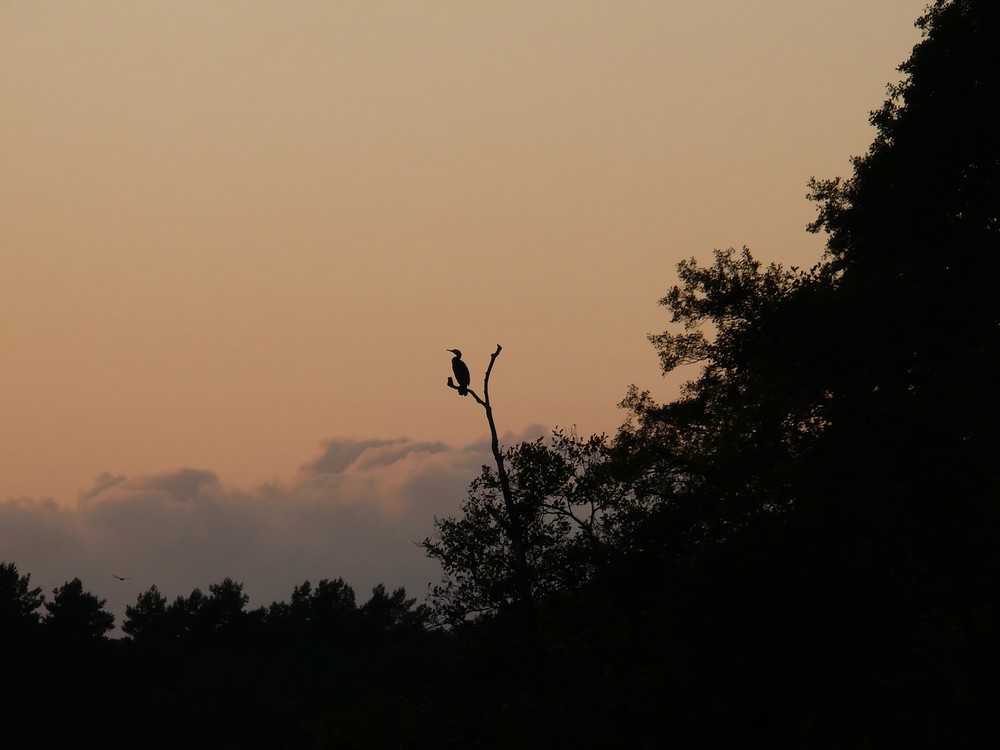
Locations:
column 461, row 372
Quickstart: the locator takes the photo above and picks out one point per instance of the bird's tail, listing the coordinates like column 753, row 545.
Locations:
column 463, row 391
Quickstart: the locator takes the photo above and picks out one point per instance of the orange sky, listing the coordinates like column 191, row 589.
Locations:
column 232, row 230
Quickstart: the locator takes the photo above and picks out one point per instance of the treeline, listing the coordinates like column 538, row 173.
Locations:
column 799, row 551
column 204, row 670
column 75, row 617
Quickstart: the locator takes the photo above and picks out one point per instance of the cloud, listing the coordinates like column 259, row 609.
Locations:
column 338, row 455
column 356, row 511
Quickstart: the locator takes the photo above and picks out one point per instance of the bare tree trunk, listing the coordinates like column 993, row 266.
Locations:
column 514, row 525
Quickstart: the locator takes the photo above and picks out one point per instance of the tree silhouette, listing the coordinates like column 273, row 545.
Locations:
column 326, row 611
column 77, row 615
column 147, row 620
column 573, row 507
column 839, row 439
column 512, row 524
column 386, row 612
column 19, row 603
column 225, row 606
column 913, row 237
column 209, row 619
column 884, row 357
column 754, row 406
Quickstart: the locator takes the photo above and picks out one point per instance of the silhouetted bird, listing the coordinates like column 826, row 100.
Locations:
column 461, row 372
column 126, row 578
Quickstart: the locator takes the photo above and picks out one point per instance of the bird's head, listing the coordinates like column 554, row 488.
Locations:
column 456, row 352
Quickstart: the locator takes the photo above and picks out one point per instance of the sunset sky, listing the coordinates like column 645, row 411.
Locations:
column 237, row 238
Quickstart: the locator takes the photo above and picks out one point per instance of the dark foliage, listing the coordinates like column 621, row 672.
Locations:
column 19, row 603
column 76, row 616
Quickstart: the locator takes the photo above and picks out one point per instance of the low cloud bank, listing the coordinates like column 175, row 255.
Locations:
column 355, row 511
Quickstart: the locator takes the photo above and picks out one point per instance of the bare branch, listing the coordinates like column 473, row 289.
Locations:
column 486, row 380
column 513, row 527
column 451, row 384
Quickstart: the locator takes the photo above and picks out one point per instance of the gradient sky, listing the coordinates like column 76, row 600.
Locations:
column 237, row 238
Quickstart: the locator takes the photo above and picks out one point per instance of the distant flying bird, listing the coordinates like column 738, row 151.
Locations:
column 126, row 578
column 461, row 372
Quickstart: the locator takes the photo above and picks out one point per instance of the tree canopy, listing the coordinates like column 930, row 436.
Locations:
column 77, row 615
